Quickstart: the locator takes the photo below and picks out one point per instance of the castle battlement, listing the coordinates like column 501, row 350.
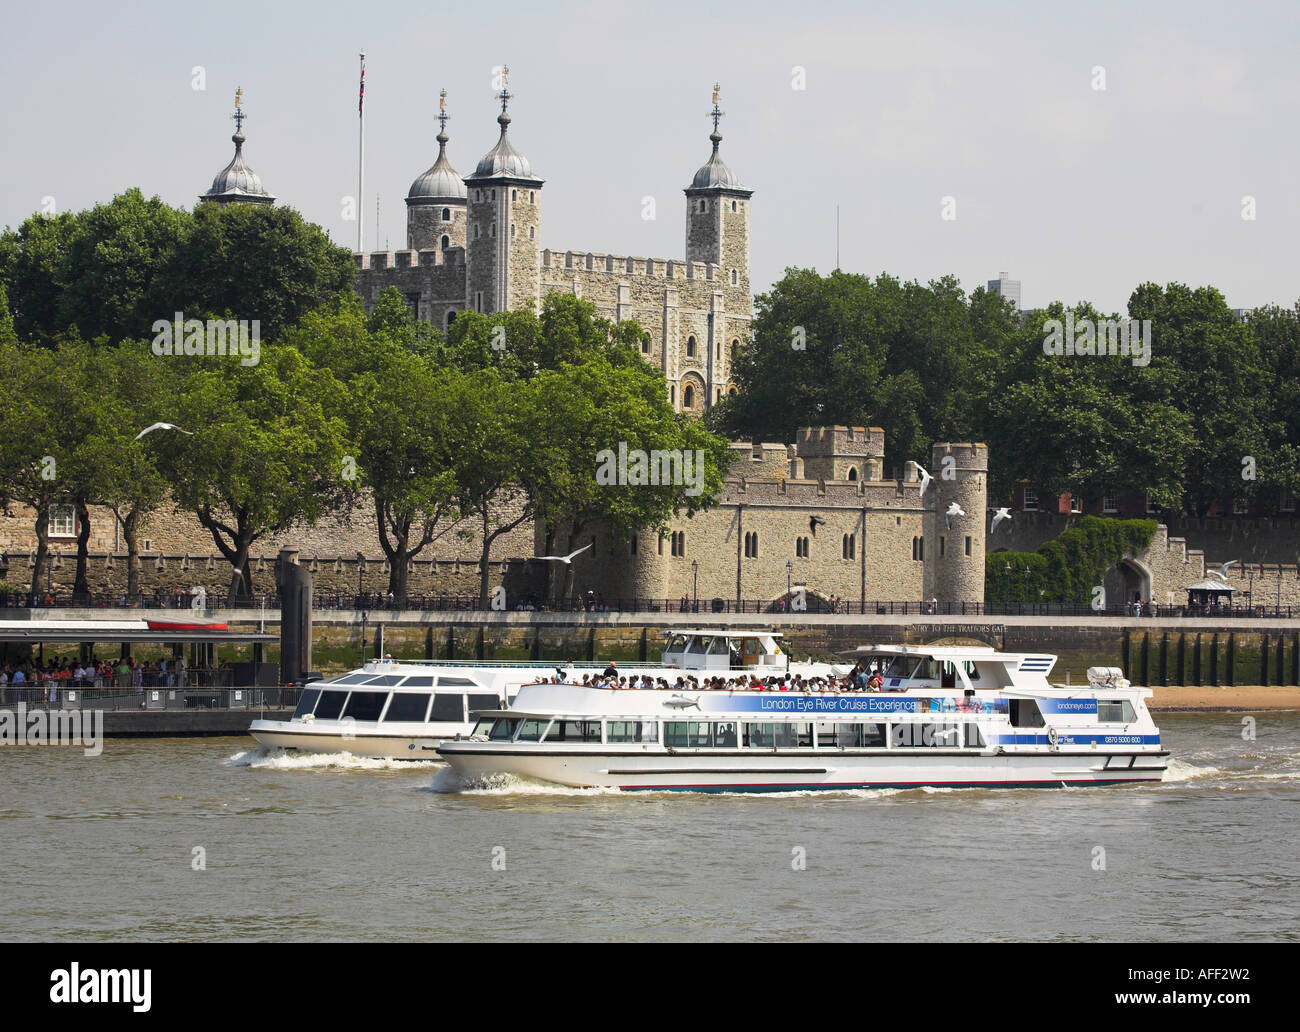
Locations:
column 629, row 265
column 823, row 441
column 853, row 494
column 408, row 259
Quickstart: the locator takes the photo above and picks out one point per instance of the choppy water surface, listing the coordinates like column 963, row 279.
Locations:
column 315, row 847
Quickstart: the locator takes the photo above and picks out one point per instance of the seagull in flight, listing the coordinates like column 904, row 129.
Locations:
column 1222, row 571
column 566, row 559
column 953, row 510
column 161, row 426
column 925, row 478
column 1002, row 514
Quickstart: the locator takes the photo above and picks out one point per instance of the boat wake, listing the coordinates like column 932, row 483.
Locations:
column 262, row 758
column 447, row 781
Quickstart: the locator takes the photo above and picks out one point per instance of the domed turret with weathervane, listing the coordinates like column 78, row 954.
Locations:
column 435, row 204
column 237, row 183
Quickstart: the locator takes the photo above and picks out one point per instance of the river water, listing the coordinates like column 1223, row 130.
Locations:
column 216, row 839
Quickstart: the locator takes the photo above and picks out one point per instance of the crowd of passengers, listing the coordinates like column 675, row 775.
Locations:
column 862, row 678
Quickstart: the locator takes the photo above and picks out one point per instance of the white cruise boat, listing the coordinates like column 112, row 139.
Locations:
column 403, row 710
column 945, row 716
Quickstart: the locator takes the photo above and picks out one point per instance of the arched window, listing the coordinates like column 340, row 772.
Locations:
column 645, row 344
column 690, row 347
column 849, row 546
column 514, row 196
column 751, row 544
column 679, row 543
column 512, row 231
column 735, row 277
column 532, row 232
column 446, row 214
column 446, row 241
column 688, row 396
column 451, row 318
column 853, row 473
column 531, row 195
column 492, row 229
column 734, row 206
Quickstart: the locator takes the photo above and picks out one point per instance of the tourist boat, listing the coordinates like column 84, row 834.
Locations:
column 403, row 710
column 951, row 716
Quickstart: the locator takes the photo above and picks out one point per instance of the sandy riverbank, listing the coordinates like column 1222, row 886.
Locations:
column 1235, row 697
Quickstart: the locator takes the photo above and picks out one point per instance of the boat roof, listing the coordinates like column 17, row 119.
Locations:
column 968, row 653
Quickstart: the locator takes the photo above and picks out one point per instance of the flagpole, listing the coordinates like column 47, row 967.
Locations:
column 361, row 158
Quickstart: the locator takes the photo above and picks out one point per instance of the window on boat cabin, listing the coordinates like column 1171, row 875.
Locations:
column 1025, row 713
column 503, row 730
column 330, row 705
column 1115, row 711
column 456, row 682
column 858, row 736
column 676, row 643
column 698, row 646
column 574, row 731
column 631, row 731
column 532, row 730
column 307, row 702
column 385, row 680
column 902, row 666
column 365, row 705
column 408, row 706
column 828, row 734
column 482, row 702
column 353, row 679
column 418, row 682
column 718, row 647
column 699, row 734
column 448, row 706
column 778, row 736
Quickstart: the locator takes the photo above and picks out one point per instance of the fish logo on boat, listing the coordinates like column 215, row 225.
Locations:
column 681, row 702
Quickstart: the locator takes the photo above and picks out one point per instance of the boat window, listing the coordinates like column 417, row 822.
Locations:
column 676, row 643
column 353, row 679
column 724, row 735
column 778, row 736
column 418, row 682
column 574, row 731
column 697, row 646
column 482, row 727
column 718, row 647
column 828, row 734
column 330, row 705
column 408, row 706
column 751, row 646
column 532, row 730
column 386, row 681
column 630, row 731
column 860, row 736
column 456, row 682
column 693, row 734
column 448, row 706
column 1115, row 711
column 972, row 670
column 503, row 730
column 1025, row 713
column 482, row 702
column 365, row 705
column 308, row 701
column 902, row 666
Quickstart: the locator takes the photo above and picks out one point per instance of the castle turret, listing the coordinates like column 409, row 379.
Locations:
column 841, row 452
column 954, row 558
column 717, row 214
column 237, row 183
column 504, row 225
column 435, row 205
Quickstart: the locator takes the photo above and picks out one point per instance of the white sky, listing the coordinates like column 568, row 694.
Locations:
column 1081, row 194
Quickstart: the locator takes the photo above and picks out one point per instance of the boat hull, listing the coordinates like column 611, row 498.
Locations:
column 829, row 771
column 281, row 734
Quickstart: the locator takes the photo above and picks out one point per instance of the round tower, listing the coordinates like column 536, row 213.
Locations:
column 954, row 556
column 435, row 204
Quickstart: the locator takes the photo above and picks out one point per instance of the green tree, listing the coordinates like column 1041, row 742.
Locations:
column 267, row 451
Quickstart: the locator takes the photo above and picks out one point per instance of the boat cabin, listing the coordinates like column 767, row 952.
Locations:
column 757, row 652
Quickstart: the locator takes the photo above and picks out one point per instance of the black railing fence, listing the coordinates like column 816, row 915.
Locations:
column 193, row 697
column 592, row 603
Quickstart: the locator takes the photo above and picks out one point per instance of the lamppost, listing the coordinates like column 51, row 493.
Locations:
column 789, row 570
column 1250, row 591
column 1006, row 598
column 1026, row 585
column 360, row 560
column 695, row 590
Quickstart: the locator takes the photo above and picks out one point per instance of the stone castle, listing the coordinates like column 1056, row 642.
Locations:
column 475, row 243
column 819, row 513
